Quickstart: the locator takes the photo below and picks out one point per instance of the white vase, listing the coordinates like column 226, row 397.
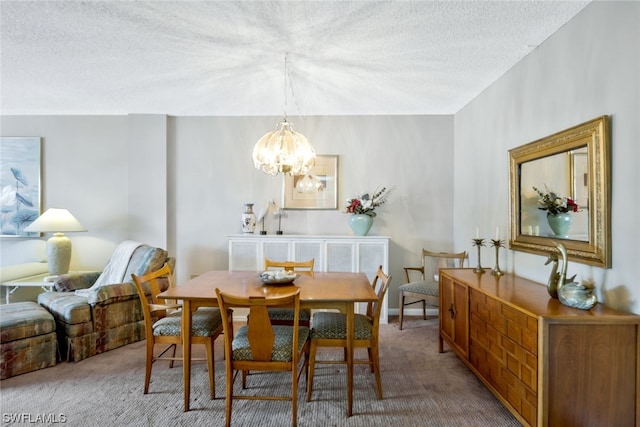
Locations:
column 248, row 219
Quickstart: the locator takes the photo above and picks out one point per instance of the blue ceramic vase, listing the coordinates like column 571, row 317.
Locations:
column 360, row 224
column 560, row 223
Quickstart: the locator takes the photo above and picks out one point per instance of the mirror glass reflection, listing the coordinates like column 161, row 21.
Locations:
column 565, row 174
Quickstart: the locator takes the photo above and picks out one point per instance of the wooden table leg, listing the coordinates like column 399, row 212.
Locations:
column 350, row 339
column 186, row 351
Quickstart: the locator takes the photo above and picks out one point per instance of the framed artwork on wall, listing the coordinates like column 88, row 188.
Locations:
column 19, row 185
column 326, row 171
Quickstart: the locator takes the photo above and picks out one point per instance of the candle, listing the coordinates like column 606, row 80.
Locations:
column 477, row 233
column 497, row 233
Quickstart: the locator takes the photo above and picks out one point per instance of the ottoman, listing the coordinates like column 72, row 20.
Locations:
column 27, row 338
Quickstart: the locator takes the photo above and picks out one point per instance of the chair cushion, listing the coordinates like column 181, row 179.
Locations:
column 24, row 320
column 66, row 307
column 288, row 313
column 330, row 325
column 424, row 287
column 281, row 347
column 205, row 322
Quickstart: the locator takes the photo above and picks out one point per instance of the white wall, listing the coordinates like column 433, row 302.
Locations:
column 590, row 67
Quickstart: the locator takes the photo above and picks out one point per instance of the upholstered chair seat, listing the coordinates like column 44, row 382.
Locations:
column 282, row 345
column 332, row 325
column 205, row 322
column 422, row 287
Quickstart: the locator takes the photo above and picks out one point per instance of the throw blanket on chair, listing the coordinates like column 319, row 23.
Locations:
column 116, row 268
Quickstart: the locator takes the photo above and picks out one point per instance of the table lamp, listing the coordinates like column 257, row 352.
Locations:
column 57, row 221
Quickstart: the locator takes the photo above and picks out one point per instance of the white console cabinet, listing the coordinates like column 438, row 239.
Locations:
column 331, row 253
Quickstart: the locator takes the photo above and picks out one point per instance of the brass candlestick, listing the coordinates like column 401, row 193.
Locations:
column 477, row 243
column 497, row 244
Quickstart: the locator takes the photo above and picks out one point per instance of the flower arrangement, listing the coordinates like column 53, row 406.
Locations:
column 553, row 203
column 366, row 203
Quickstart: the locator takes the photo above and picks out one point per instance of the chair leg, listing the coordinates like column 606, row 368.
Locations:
column 311, row 368
column 294, row 395
column 376, row 368
column 401, row 308
column 229, row 397
column 149, row 364
column 424, row 310
column 210, row 359
column 371, row 360
column 173, row 355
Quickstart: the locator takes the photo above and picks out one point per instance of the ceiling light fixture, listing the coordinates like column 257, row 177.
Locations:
column 284, row 150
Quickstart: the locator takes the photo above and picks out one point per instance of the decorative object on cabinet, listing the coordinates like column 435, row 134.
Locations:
column 325, row 173
column 360, row 223
column 497, row 243
column 330, row 330
column 19, row 185
column 57, row 221
column 426, row 288
column 366, row 204
column 477, row 242
column 248, row 219
column 574, row 161
column 547, row 363
column 279, row 213
column 571, row 293
column 284, row 150
column 554, row 276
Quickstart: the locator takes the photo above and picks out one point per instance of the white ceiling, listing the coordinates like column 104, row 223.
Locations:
column 227, row 57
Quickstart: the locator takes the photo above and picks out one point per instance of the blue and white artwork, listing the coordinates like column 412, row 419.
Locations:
column 19, row 185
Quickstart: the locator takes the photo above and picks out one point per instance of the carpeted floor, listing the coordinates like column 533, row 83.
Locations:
column 421, row 388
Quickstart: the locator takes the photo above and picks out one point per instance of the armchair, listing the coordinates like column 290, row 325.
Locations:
column 99, row 311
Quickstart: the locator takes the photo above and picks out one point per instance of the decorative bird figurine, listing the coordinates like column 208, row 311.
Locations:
column 570, row 293
column 552, row 284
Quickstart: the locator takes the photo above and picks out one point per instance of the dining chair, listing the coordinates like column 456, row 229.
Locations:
column 261, row 346
column 162, row 324
column 284, row 316
column 423, row 282
column 330, row 330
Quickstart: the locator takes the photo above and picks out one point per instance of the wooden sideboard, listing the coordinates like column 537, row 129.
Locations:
column 549, row 364
column 331, row 253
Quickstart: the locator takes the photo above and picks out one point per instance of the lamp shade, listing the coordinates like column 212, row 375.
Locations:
column 55, row 221
column 284, row 151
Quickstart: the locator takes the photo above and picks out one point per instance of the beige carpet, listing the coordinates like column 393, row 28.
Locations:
column 421, row 388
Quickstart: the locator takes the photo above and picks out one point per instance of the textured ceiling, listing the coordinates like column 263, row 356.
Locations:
column 227, row 57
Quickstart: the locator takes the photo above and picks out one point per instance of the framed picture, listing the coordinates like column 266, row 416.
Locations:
column 19, row 185
column 580, row 178
column 326, row 171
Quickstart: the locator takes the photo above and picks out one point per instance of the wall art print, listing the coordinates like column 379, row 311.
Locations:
column 19, row 185
column 326, row 170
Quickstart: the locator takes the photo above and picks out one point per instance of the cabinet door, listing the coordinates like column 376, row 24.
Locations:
column 454, row 314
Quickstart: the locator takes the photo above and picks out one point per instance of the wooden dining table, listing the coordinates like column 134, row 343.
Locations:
column 322, row 291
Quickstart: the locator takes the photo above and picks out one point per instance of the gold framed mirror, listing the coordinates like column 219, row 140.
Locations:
column 570, row 166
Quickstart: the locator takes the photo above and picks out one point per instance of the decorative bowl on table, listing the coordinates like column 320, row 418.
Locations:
column 278, row 277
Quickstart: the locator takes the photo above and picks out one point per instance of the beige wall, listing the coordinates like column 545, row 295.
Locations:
column 589, row 68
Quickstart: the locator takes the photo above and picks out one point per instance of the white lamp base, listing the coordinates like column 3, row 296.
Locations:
column 58, row 254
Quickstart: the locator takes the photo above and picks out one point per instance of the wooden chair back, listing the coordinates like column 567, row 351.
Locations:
column 432, row 262
column 302, row 267
column 155, row 282
column 380, row 284
column 260, row 331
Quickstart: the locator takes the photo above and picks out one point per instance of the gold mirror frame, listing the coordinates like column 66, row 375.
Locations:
column 595, row 249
